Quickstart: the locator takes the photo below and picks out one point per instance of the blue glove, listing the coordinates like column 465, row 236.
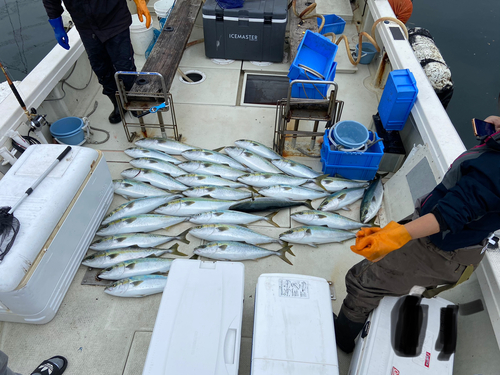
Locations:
column 61, row 36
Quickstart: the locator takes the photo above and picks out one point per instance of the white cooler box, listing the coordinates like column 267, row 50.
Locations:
column 198, row 326
column 57, row 222
column 373, row 354
column 293, row 330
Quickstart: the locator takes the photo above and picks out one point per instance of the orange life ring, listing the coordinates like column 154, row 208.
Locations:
column 402, row 9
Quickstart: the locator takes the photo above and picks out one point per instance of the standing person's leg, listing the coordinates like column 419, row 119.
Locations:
column 121, row 54
column 103, row 68
column 419, row 262
column 4, row 370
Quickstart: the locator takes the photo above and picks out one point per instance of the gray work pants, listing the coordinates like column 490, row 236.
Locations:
column 4, row 370
column 419, row 262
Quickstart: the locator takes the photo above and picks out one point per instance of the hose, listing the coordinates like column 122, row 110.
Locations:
column 304, row 15
column 371, row 38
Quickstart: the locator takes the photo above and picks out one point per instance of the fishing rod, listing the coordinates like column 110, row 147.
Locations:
column 16, row 93
column 35, row 121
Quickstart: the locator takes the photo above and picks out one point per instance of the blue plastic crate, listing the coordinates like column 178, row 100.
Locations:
column 333, row 24
column 316, row 52
column 370, row 158
column 400, row 93
column 308, row 90
column 351, row 172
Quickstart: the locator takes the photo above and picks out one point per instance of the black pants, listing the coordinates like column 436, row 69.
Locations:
column 115, row 54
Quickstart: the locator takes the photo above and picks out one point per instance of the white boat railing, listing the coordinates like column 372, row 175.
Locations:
column 39, row 83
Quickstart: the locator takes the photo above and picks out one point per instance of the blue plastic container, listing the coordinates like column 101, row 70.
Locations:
column 68, row 130
column 333, row 24
column 370, row 158
column 398, row 98
column 351, row 172
column 316, row 52
column 350, row 134
column 308, row 90
column 368, row 52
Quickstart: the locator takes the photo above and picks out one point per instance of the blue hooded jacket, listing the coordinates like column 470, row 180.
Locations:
column 466, row 203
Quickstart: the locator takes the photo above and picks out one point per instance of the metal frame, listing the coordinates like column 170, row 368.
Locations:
column 127, row 104
column 329, row 110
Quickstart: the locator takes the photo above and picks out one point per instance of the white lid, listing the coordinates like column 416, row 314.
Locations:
column 198, row 326
column 137, row 24
column 40, row 212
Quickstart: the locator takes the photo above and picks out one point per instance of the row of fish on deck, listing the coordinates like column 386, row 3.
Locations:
column 220, row 193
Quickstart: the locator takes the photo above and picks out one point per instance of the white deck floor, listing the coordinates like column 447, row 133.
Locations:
column 101, row 334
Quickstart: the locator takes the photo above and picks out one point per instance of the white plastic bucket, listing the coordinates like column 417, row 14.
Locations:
column 163, row 8
column 140, row 36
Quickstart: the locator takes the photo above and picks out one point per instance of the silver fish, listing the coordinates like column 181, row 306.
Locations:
column 296, row 169
column 341, row 199
column 193, row 206
column 294, row 193
column 139, row 223
column 230, row 250
column 138, row 207
column 158, row 166
column 231, row 217
column 372, row 200
column 315, row 235
column 200, row 154
column 205, row 167
column 140, row 152
column 260, row 179
column 166, row 145
column 136, row 267
column 136, row 189
column 193, row 179
column 137, row 286
column 135, row 239
column 257, row 148
column 267, row 204
column 108, row 258
column 157, row 179
column 334, row 184
column 227, row 232
column 217, row 192
column 251, row 160
column 331, row 220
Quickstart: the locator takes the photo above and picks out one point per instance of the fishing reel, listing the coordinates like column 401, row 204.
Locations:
column 36, row 122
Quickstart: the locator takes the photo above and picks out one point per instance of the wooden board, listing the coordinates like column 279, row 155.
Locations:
column 298, row 28
column 167, row 52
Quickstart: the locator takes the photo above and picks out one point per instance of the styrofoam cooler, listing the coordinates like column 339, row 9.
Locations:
column 293, row 330
column 198, row 326
column 374, row 354
column 57, row 222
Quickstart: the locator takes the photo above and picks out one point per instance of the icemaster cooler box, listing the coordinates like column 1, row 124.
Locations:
column 254, row 32
column 58, row 221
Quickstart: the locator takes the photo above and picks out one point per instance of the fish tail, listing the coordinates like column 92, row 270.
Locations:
column 318, row 181
column 371, row 223
column 282, row 254
column 175, row 251
column 308, row 204
column 182, row 237
column 269, row 218
column 195, row 256
column 289, row 249
column 253, row 190
column 218, row 149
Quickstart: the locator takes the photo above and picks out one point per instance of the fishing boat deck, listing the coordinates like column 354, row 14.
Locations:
column 102, row 334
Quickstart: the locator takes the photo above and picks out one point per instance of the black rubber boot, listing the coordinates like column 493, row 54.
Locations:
column 114, row 116
column 346, row 332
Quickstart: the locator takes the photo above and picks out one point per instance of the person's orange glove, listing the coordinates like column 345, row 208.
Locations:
column 374, row 244
column 142, row 10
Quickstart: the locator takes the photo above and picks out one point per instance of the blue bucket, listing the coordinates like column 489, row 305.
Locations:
column 68, row 130
column 367, row 54
column 350, row 134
